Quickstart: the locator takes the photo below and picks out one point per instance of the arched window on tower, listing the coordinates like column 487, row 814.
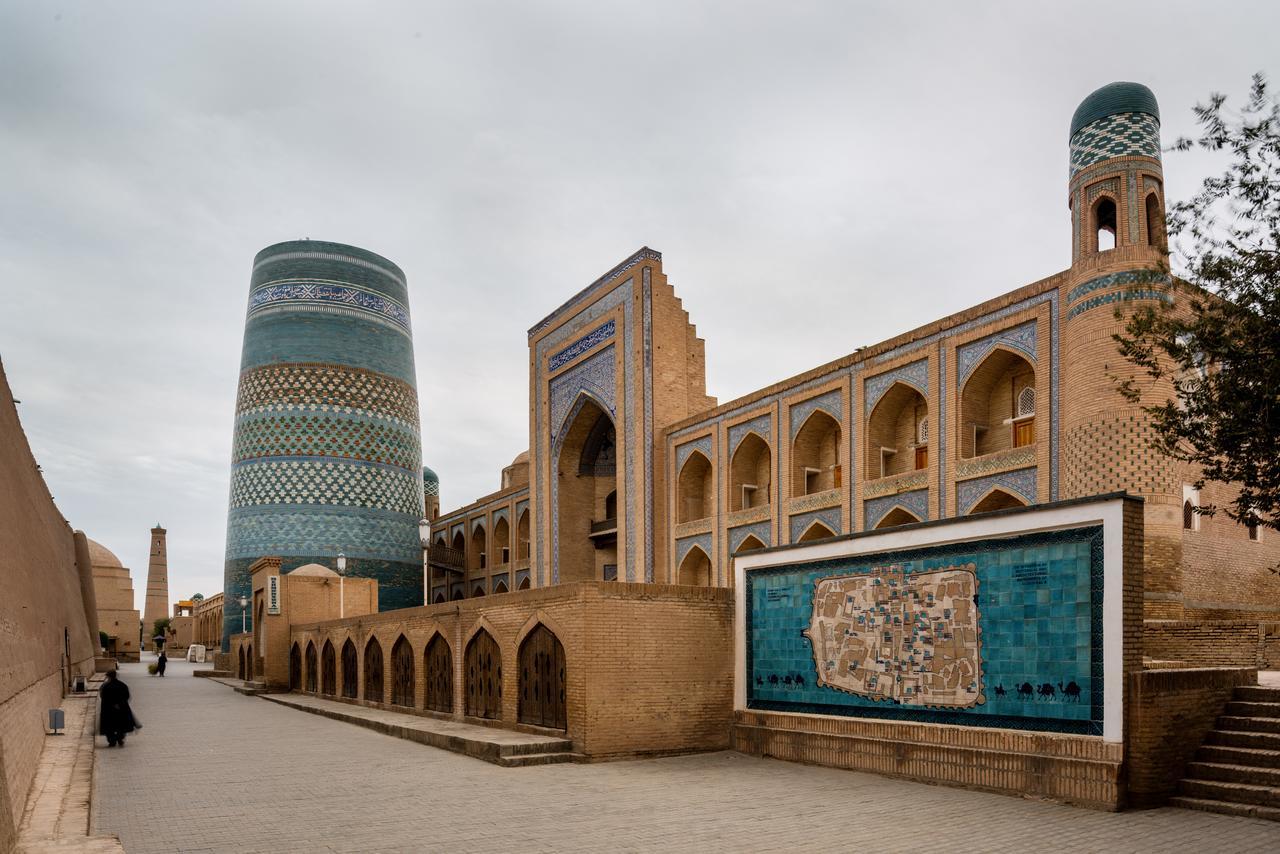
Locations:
column 1155, row 221
column 1104, row 224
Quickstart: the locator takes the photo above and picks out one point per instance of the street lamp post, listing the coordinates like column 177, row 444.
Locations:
column 244, row 603
column 342, row 575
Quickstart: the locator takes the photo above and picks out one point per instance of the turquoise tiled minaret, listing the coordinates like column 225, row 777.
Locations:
column 327, row 452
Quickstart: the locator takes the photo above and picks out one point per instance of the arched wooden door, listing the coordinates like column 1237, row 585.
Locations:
column 328, row 668
column 311, row 667
column 373, row 671
column 542, row 700
column 484, row 677
column 439, row 671
column 295, row 668
column 402, row 675
column 240, row 672
column 350, row 671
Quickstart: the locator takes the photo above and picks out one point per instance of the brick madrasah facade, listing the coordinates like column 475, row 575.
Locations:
column 634, row 474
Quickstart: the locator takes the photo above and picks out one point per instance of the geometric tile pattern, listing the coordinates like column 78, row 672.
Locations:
column 358, row 532
column 1013, row 458
column 916, row 503
column 582, row 345
column 324, row 481
column 1112, row 280
column 702, row 444
column 915, row 374
column 830, row 403
column 595, row 376
column 329, row 297
column 800, row 524
column 306, row 435
column 760, row 425
column 1021, row 483
column 1021, row 338
column 1118, row 135
column 326, row 388
column 760, row 531
column 702, row 541
column 1119, row 296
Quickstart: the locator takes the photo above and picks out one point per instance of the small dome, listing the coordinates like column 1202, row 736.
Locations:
column 428, row 476
column 522, row 457
column 100, row 555
column 1114, row 98
column 314, row 570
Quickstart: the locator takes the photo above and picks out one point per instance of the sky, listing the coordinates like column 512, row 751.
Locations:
column 819, row 176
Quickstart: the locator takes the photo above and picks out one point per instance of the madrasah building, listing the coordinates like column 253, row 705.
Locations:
column 635, row 474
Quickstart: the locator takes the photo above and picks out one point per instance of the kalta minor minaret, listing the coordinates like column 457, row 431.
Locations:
column 157, row 607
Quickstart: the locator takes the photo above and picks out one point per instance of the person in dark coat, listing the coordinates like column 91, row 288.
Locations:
column 161, row 662
column 117, row 719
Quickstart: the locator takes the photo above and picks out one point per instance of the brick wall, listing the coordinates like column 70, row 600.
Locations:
column 1237, row 643
column 1169, row 713
column 648, row 667
column 40, row 597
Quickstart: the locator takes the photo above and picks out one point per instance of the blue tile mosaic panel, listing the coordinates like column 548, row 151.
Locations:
column 1001, row 633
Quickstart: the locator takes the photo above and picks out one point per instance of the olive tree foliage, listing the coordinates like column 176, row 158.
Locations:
column 1218, row 343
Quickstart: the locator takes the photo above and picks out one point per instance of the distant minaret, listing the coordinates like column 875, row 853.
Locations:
column 157, row 607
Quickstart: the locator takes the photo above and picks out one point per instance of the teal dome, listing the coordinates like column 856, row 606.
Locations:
column 1114, row 98
column 428, row 476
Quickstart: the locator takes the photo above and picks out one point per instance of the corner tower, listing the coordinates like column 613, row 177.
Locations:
column 1119, row 263
column 327, row 451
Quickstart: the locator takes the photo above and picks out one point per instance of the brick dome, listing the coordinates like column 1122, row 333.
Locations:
column 314, row 570
column 100, row 555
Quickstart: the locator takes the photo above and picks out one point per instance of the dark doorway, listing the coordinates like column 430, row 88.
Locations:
column 484, row 677
column 439, row 670
column 542, row 700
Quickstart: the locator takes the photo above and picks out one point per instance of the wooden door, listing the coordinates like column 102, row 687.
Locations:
column 402, row 681
column 328, row 679
column 350, row 671
column 311, row 667
column 1024, row 432
column 439, row 670
column 484, row 677
column 373, row 672
column 922, row 456
column 542, row 697
column 295, row 668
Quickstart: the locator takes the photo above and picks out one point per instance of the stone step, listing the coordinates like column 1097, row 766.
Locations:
column 1226, row 807
column 1245, row 724
column 526, row 759
column 1257, row 694
column 1240, row 793
column 1252, row 756
column 251, row 689
column 213, row 674
column 1233, row 738
column 559, row 746
column 1251, row 709
column 1230, row 773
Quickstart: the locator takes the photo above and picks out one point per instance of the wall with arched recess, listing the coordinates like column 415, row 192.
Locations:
column 42, row 613
column 630, row 690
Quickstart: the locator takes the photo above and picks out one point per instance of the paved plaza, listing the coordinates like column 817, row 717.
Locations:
column 213, row 770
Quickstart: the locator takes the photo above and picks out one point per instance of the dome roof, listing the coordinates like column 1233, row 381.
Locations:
column 429, row 476
column 100, row 555
column 1114, row 98
column 522, row 457
column 314, row 570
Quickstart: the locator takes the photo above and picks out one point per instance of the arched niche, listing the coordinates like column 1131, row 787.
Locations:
column 816, row 531
column 694, row 489
column 501, row 542
column 898, row 433
column 815, row 455
column 750, row 473
column 478, row 558
column 998, row 405
column 897, row 516
column 997, row 499
column 587, row 488
column 695, row 569
column 749, row 543
column 522, row 535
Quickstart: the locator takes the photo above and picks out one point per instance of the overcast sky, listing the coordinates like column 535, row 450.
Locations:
column 818, row 176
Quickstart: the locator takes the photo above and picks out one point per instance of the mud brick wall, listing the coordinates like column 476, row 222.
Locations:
column 1169, row 713
column 1214, row 643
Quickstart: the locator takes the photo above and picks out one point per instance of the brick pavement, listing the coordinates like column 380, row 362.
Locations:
column 217, row 771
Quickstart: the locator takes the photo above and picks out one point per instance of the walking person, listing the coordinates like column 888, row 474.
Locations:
column 117, row 719
column 161, row 662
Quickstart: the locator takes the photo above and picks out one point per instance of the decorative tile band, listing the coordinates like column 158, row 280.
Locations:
column 360, row 532
column 828, row 498
column 760, row 530
column 915, row 375
column 299, row 434
column 582, row 345
column 325, row 481
column 325, row 388
column 800, row 524
column 1115, row 280
column 696, row 526
column 1021, row 483
column 321, row 294
column 1110, row 185
column 761, row 425
column 916, row 503
column 831, row 403
column 1011, row 458
column 894, row 484
column 1118, row 135
column 500, row 513
column 751, row 514
column 1021, row 338
column 1119, row 296
column 639, row 257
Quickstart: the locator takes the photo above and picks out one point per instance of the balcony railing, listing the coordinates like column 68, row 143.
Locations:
column 444, row 556
column 604, row 526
